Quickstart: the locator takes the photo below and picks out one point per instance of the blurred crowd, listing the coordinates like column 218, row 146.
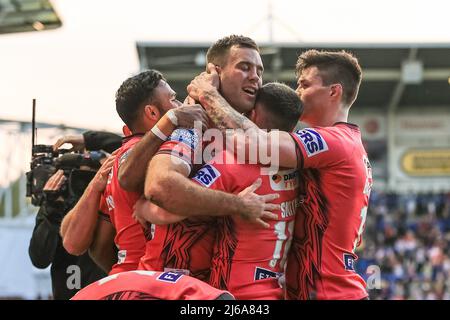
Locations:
column 407, row 237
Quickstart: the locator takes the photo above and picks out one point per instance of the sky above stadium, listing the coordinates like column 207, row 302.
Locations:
column 74, row 71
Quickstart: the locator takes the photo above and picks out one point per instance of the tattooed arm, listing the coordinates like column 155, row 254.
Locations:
column 204, row 89
column 167, row 186
column 131, row 172
column 222, row 114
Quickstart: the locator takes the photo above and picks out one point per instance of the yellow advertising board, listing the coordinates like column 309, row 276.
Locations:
column 426, row 162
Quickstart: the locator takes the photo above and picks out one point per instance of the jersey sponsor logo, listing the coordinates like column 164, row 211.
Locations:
column 121, row 256
column 207, row 175
column 284, row 180
column 261, row 273
column 289, row 208
column 313, row 142
column 349, row 262
column 187, row 136
column 172, row 277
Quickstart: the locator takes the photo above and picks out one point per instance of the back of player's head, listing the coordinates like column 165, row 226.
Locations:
column 282, row 104
column 218, row 52
column 136, row 92
column 334, row 67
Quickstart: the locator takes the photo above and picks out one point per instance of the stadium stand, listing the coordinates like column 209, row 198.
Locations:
column 408, row 237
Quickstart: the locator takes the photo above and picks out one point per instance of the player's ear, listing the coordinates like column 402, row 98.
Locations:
column 152, row 112
column 336, row 91
column 210, row 67
column 218, row 69
column 126, row 131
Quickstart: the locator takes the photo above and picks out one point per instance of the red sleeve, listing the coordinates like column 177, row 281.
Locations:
column 183, row 144
column 319, row 147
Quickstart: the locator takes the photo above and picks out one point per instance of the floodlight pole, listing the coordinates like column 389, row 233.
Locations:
column 391, row 134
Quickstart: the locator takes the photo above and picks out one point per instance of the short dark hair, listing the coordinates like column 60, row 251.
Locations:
column 219, row 50
column 134, row 93
column 283, row 103
column 334, row 67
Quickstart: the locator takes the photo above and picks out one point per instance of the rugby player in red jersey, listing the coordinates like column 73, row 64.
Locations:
column 336, row 173
column 150, row 285
column 142, row 102
column 248, row 260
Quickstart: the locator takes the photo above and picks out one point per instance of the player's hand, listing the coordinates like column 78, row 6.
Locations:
column 258, row 207
column 204, row 82
column 138, row 211
column 190, row 116
column 77, row 142
column 55, row 182
column 100, row 179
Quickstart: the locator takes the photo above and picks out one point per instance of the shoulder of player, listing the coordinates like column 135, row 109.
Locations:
column 337, row 136
column 125, row 150
column 337, row 140
column 129, row 142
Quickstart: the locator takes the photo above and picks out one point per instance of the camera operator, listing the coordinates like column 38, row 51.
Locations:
column 92, row 140
column 69, row 273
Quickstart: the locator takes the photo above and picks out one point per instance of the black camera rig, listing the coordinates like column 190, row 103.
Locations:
column 45, row 162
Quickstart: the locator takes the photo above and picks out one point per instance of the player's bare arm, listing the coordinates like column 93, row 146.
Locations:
column 102, row 248
column 167, row 186
column 78, row 226
column 131, row 171
column 145, row 210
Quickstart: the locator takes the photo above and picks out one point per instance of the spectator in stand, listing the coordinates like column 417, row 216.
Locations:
column 408, row 237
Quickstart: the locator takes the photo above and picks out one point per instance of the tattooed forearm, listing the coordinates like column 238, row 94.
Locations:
column 222, row 114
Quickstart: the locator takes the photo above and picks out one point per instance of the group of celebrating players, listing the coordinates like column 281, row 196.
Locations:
column 177, row 213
